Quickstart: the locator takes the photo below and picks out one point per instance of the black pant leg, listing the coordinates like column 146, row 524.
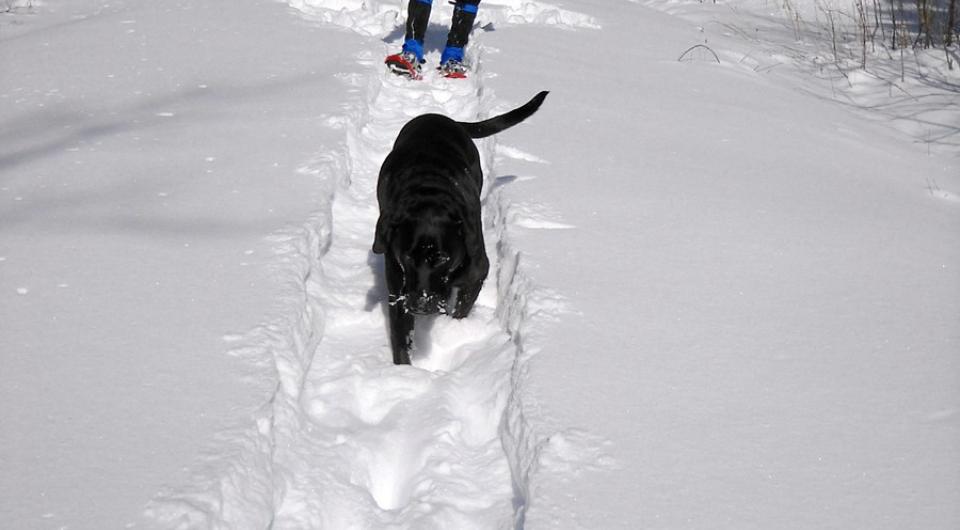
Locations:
column 418, row 17
column 464, row 15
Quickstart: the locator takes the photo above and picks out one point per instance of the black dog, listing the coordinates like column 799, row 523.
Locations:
column 429, row 227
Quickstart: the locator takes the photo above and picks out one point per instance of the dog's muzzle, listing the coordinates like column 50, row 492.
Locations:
column 425, row 303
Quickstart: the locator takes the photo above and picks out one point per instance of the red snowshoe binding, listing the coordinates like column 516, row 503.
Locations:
column 404, row 64
column 453, row 69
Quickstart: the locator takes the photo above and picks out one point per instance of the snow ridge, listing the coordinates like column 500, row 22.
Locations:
column 236, row 482
column 346, row 439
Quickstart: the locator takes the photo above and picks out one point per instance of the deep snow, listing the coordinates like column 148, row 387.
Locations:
column 720, row 299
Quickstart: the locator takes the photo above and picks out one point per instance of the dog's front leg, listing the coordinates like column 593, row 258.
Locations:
column 466, row 297
column 401, row 321
column 469, row 286
column 401, row 333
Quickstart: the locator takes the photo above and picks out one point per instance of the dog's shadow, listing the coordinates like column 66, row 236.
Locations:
column 377, row 295
column 499, row 182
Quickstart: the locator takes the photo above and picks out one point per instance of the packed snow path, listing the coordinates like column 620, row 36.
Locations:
column 369, row 444
column 381, row 444
column 349, row 440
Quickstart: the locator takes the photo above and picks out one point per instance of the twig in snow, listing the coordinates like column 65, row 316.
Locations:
column 694, row 47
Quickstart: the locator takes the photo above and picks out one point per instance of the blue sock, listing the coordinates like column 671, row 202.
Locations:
column 415, row 47
column 451, row 53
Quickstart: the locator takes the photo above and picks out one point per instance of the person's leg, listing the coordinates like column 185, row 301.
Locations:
column 464, row 14
column 418, row 17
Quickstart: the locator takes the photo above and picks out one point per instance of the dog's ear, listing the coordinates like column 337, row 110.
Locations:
column 380, row 235
column 473, row 243
column 472, row 235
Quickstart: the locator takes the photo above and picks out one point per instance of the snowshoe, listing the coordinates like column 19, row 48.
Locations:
column 453, row 69
column 404, row 64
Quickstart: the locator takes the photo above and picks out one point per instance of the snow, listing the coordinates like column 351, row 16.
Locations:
column 722, row 295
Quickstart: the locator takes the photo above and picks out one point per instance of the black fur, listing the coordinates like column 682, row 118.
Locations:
column 429, row 229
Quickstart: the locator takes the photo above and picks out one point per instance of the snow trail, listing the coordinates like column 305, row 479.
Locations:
column 375, row 445
column 348, row 440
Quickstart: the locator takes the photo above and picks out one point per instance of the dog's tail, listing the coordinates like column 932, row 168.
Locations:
column 482, row 129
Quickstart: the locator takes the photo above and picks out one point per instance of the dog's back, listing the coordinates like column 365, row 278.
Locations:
column 445, row 146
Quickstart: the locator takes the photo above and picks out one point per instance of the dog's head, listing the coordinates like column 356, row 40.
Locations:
column 431, row 251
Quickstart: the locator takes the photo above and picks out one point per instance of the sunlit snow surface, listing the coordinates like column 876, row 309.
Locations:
column 724, row 293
